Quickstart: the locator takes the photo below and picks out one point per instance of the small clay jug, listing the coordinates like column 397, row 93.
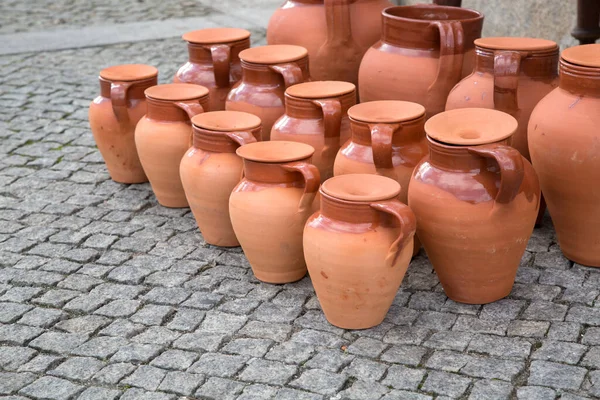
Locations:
column 266, row 72
column 476, row 200
column 358, row 247
column 214, row 61
column 564, row 143
column 164, row 135
column 211, row 169
column 316, row 113
column 114, row 114
column 336, row 33
column 270, row 206
column 424, row 51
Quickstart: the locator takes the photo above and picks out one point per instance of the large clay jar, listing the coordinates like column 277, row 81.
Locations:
column 114, row 114
column 316, row 113
column 564, row 143
column 424, row 51
column 266, row 72
column 270, row 206
column 164, row 135
column 476, row 200
column 214, row 61
column 336, row 33
column 358, row 247
column 211, row 169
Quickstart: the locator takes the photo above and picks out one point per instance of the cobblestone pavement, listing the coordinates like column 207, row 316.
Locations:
column 105, row 295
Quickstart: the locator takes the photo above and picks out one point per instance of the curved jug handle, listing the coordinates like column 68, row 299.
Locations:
column 507, row 67
column 408, row 226
column 118, row 98
column 381, row 143
column 312, row 181
column 332, row 121
column 339, row 25
column 241, row 138
column 191, row 108
column 221, row 58
column 291, row 72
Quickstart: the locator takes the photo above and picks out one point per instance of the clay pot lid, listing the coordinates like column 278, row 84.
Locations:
column 425, row 13
column 587, row 55
column 386, row 111
column 216, row 35
column 361, row 187
column 128, row 72
column 273, row 54
column 176, row 92
column 516, row 43
column 275, row 151
column 320, row 89
column 470, row 126
column 226, row 121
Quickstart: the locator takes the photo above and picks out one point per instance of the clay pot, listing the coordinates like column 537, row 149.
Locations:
column 423, row 52
column 266, row 72
column 114, row 114
column 164, row 135
column 358, row 247
column 316, row 113
column 476, row 200
column 564, row 143
column 270, row 205
column 214, row 61
column 210, row 170
column 336, row 33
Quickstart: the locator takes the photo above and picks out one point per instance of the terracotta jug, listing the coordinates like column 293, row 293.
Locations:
column 266, row 72
column 270, row 205
column 114, row 114
column 358, row 247
column 316, row 113
column 214, row 61
column 336, row 33
column 211, row 169
column 164, row 135
column 423, row 52
column 476, row 200
column 564, row 143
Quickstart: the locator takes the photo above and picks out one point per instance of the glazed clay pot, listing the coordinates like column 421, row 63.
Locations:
column 270, row 206
column 337, row 33
column 211, row 169
column 214, row 61
column 564, row 143
column 114, row 114
column 476, row 200
column 423, row 52
column 357, row 248
column 316, row 113
column 266, row 72
column 164, row 135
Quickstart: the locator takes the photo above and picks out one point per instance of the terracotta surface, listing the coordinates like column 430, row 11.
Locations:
column 336, row 33
column 211, row 169
column 270, row 205
column 358, row 247
column 423, row 52
column 564, row 142
column 476, row 200
column 164, row 135
column 114, row 114
column 316, row 113
column 266, row 72
column 214, row 61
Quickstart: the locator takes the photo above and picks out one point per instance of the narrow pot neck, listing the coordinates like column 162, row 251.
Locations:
column 456, row 158
column 217, row 141
column 303, row 108
column 579, row 80
column 272, row 173
column 409, row 132
column 135, row 91
column 348, row 211
column 201, row 53
column 537, row 65
column 166, row 110
column 263, row 74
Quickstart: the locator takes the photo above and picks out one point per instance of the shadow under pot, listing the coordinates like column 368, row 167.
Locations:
column 211, row 169
column 266, row 72
column 424, row 51
column 114, row 114
column 358, row 247
column 270, row 206
column 476, row 200
column 165, row 134
column 214, row 61
column 316, row 113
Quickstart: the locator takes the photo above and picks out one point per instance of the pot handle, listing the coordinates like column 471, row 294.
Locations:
column 118, row 98
column 312, row 181
column 512, row 170
column 507, row 66
column 332, row 121
column 241, row 138
column 408, row 226
column 381, row 143
column 452, row 43
column 291, row 72
column 221, row 58
column 339, row 26
column 191, row 108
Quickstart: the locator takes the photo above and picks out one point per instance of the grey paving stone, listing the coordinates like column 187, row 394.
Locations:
column 427, row 301
column 15, row 334
column 11, row 382
column 220, row 388
column 20, row 294
column 11, row 312
column 404, row 395
column 580, row 295
column 175, row 360
column 157, row 335
column 99, row 393
column 122, row 328
column 200, row 341
column 40, row 363
column 592, row 358
column 48, row 387
column 268, row 372
column 401, row 377
column 566, row 331
column 257, row 392
column 319, row 381
column 291, row 352
column 139, row 394
column 535, row 393
column 57, row 342
column 56, row 298
column 554, row 375
column 535, row 292
column 80, row 282
column 240, row 306
column 167, row 279
column 85, row 303
column 564, row 352
column 136, row 353
column 505, row 309
column 118, row 291
column 436, row 320
column 535, row 329
column 218, row 322
column 584, row 315
column 42, row 317
column 318, row 338
column 249, row 347
column 330, row 360
column 186, row 320
column 293, row 394
column 491, row 390
column 12, row 357
column 266, row 330
column 500, row 346
column 164, row 295
column 493, row 368
column 365, row 369
column 406, row 335
column 100, row 347
column 113, row 373
column 181, row 383
column 145, row 377
column 545, row 311
column 84, row 324
column 77, row 368
column 445, row 383
column 268, row 312
column 216, row 364
column 408, row 355
column 119, row 308
column 367, row 347
column 202, row 300
column 467, row 323
column 364, row 390
column 448, row 360
column 570, row 278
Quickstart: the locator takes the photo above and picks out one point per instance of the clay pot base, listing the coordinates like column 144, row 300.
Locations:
column 128, row 72
column 226, row 121
column 515, row 44
column 320, row 89
column 277, row 152
column 176, row 92
column 386, row 111
column 587, row 55
column 361, row 187
column 273, row 54
column 471, row 126
column 216, row 35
